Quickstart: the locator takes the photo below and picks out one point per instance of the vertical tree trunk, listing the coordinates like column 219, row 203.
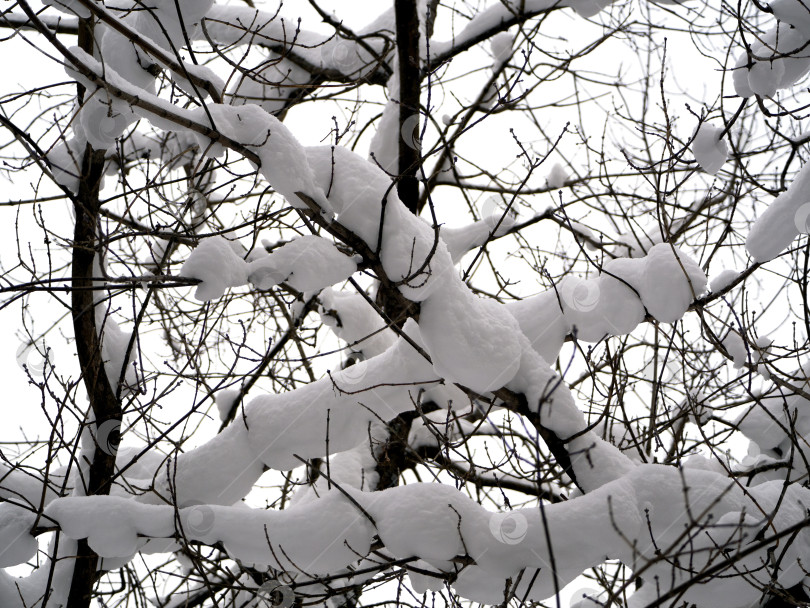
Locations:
column 409, row 87
column 102, row 398
column 103, row 401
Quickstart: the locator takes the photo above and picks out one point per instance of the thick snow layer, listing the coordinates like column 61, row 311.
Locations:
column 542, row 321
column 215, row 263
column 23, row 486
column 472, row 341
column 411, row 250
column 225, row 400
column 355, row 468
column 619, row 287
column 65, row 162
column 272, row 86
column 672, row 280
column 501, row 47
column 783, row 58
column 459, row 241
column 335, row 411
column 111, row 526
column 221, row 471
column 384, row 147
column 234, row 24
column 595, row 462
column 307, row 263
column 140, row 462
column 793, row 12
column 775, row 418
column 786, row 217
column 413, row 253
column 55, row 575
column 123, row 83
column 316, row 537
column 17, row 546
column 503, row 10
column 70, row 7
column 723, row 280
column 633, row 518
column 116, row 527
column 116, row 352
column 557, row 176
column 103, row 119
column 125, row 58
column 709, row 149
column 283, row 160
column 545, row 391
column 162, row 24
column 356, row 322
column 764, row 77
column 665, row 283
column 356, row 189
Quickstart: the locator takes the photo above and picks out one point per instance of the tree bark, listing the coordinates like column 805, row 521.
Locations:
column 407, row 22
column 103, row 400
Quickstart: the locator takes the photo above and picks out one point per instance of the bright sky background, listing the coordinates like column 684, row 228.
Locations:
column 20, row 410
